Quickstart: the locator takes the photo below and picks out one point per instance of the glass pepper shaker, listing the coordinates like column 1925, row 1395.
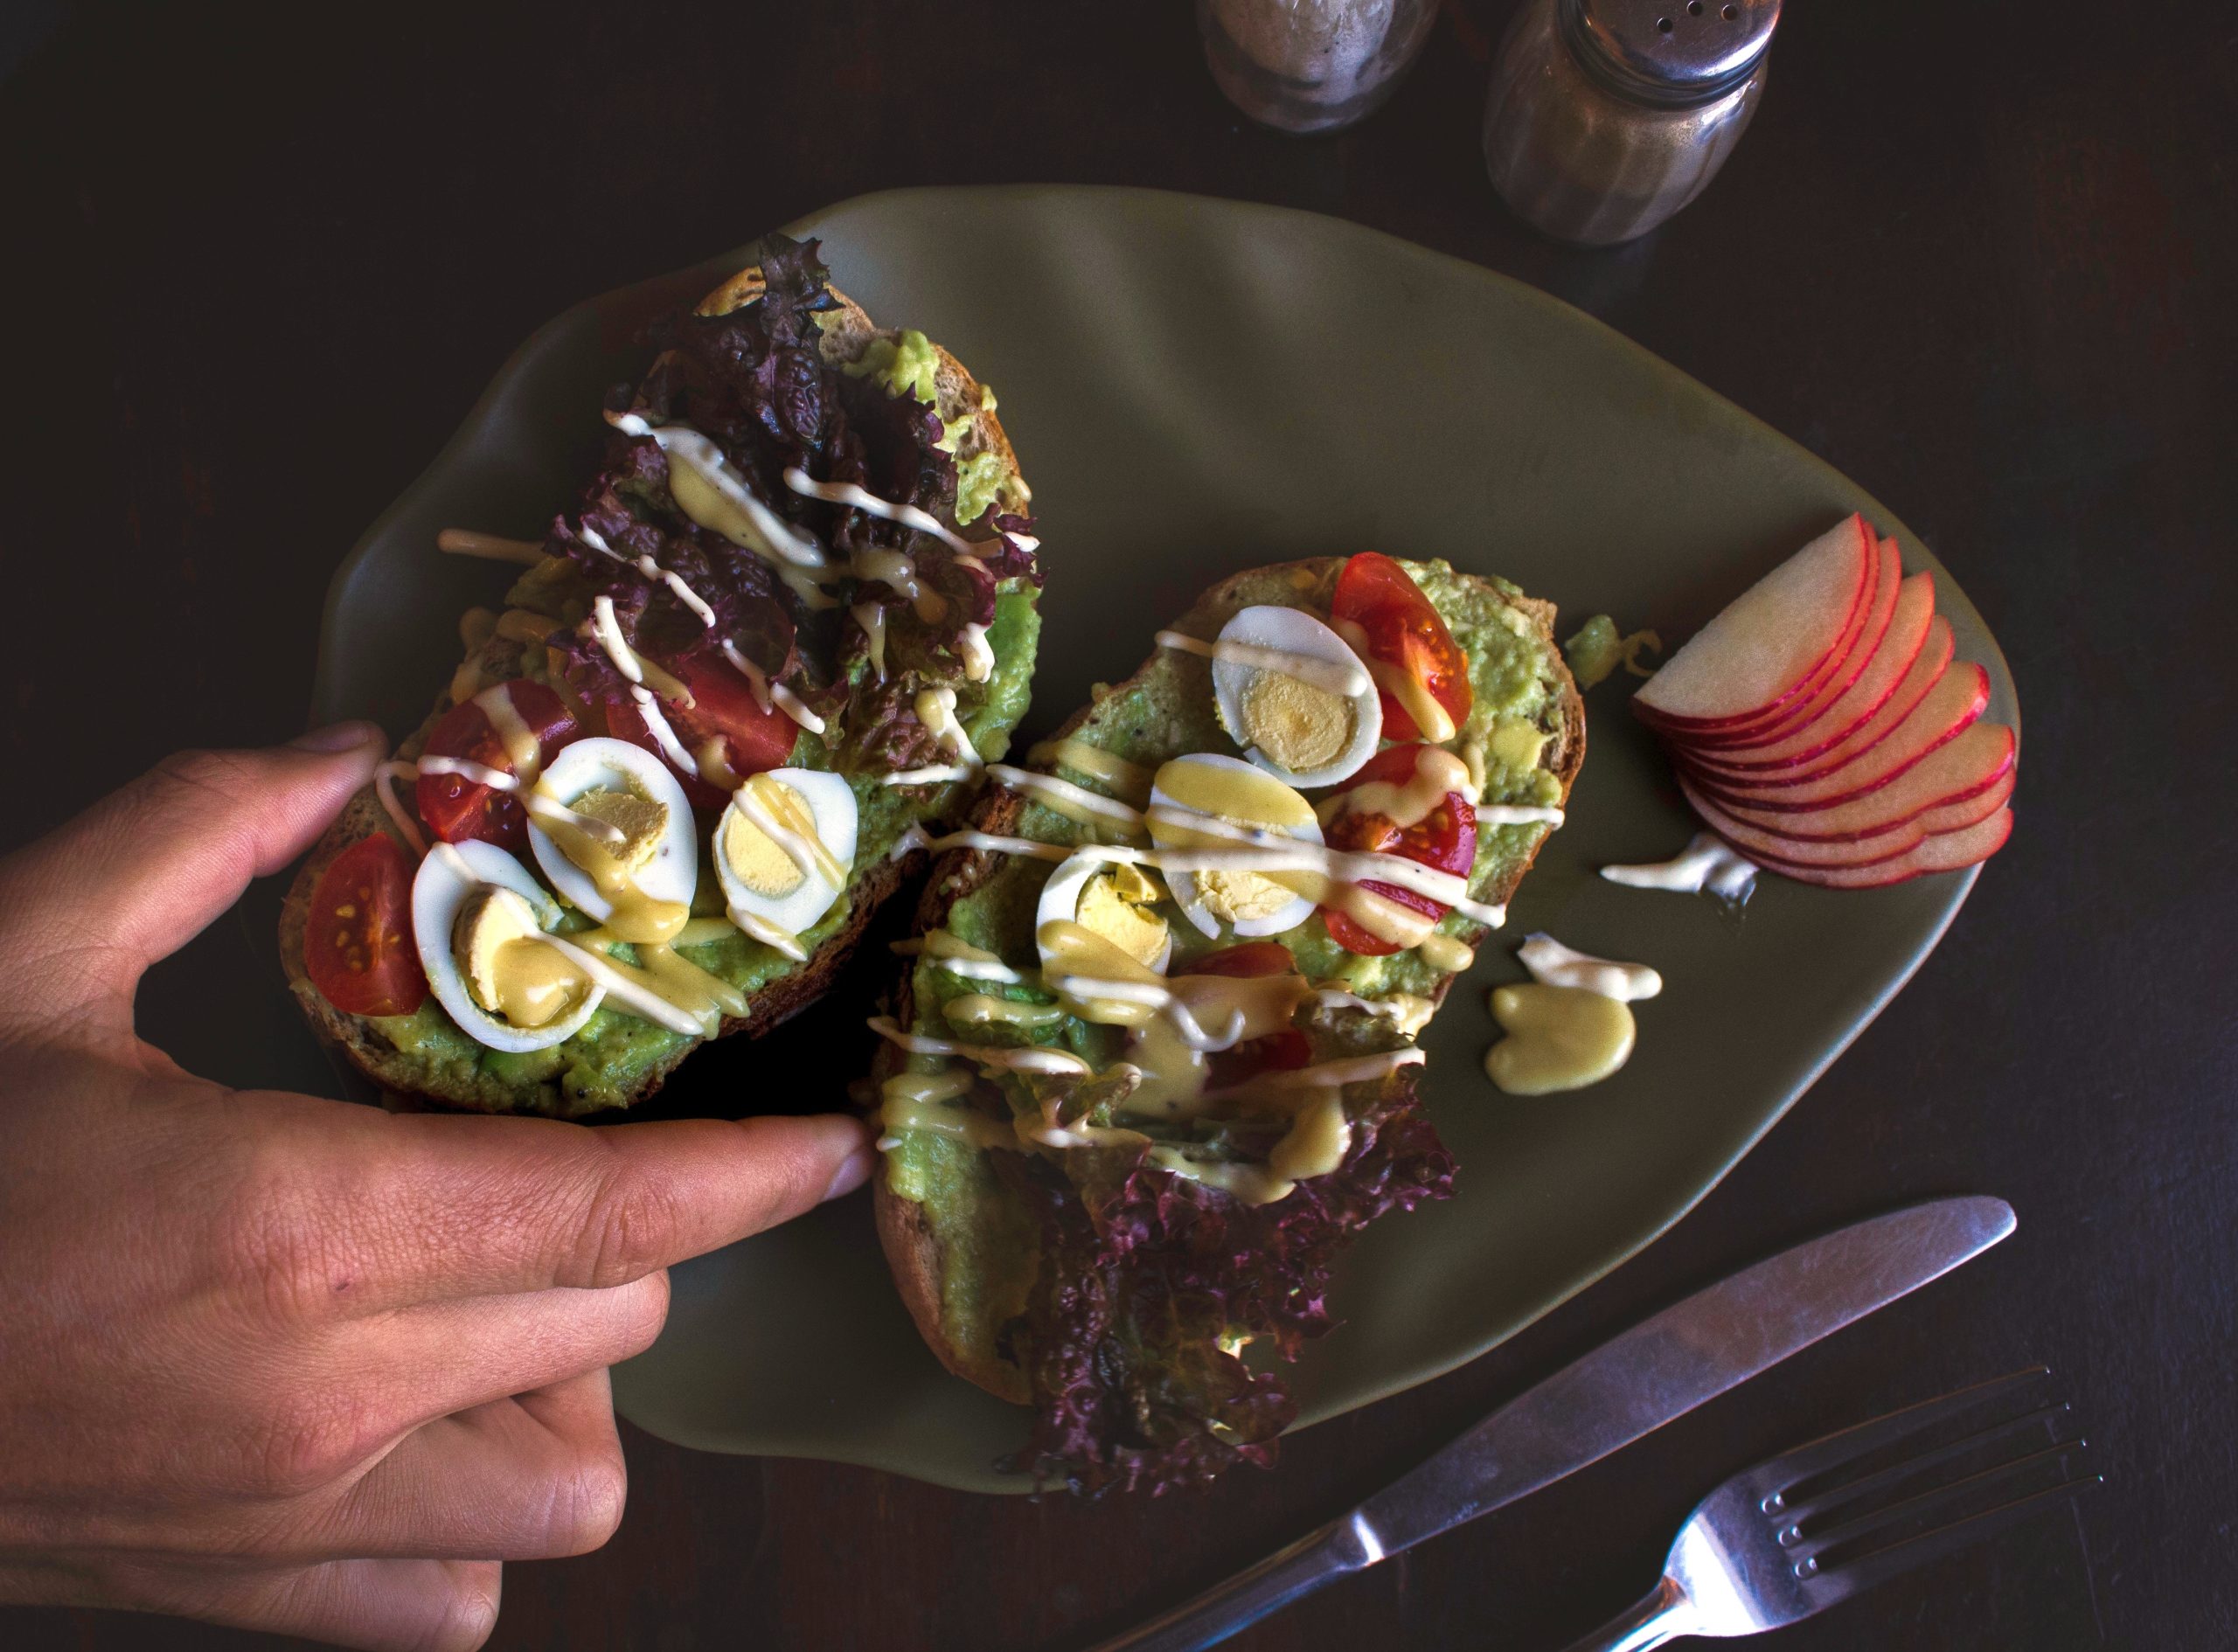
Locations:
column 1607, row 116
column 1311, row 65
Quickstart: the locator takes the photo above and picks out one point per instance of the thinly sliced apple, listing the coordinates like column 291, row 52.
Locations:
column 1911, row 617
column 1880, row 612
column 1954, row 772
column 1944, row 851
column 1950, row 708
column 1956, row 817
column 1853, row 837
column 1928, row 670
column 1776, row 641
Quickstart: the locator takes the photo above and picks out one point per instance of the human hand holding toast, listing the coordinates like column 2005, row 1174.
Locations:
column 291, row 1364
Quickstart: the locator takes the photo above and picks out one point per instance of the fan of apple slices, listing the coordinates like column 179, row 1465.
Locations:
column 1821, row 727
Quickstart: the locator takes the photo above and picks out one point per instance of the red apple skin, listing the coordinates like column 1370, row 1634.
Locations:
column 1911, row 619
column 1855, row 608
column 1887, row 587
column 1950, row 709
column 1958, row 769
column 1928, row 670
column 1833, row 841
column 1949, row 851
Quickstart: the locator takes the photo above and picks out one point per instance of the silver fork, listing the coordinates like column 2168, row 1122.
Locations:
column 1793, row 1535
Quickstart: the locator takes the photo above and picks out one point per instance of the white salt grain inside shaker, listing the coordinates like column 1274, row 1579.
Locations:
column 1311, row 65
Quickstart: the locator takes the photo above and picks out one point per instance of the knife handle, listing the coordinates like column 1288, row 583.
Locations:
column 1341, row 1547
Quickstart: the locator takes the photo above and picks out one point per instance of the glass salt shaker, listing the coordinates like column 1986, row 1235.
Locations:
column 1607, row 116
column 1311, row 65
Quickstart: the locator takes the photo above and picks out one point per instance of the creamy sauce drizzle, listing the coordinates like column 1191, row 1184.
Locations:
column 1708, row 865
column 464, row 542
column 1076, row 803
column 1130, row 780
column 990, row 1057
column 1552, row 964
column 1334, row 676
column 651, row 570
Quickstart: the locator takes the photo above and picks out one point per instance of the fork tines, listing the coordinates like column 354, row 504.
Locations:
column 1857, row 1507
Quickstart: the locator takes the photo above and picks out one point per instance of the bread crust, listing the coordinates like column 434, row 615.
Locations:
column 400, row 1075
column 913, row 1250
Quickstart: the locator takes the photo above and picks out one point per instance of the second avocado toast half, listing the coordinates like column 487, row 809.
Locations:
column 1123, row 1141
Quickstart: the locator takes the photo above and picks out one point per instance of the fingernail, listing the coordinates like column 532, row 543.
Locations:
column 852, row 1174
column 337, row 738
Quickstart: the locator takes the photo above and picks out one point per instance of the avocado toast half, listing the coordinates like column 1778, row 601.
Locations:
column 1153, row 1063
column 785, row 625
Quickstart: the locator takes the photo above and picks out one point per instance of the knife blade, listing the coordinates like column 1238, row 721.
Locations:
column 1630, row 1385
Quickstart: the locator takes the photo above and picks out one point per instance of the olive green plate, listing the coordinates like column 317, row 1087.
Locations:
column 1197, row 386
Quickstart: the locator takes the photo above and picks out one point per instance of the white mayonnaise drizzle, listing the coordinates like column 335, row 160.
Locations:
column 1552, row 964
column 1517, row 815
column 990, row 844
column 664, row 734
column 607, row 630
column 988, row 1056
column 1063, row 791
column 1335, row 676
column 767, row 694
column 934, row 774
column 978, row 655
column 384, row 779
column 911, row 840
column 847, row 493
column 651, row 570
column 1708, row 865
column 701, row 456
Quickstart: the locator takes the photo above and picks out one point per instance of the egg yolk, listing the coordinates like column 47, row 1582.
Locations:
column 1120, row 916
column 1240, row 896
column 639, row 819
column 509, row 973
column 1298, row 725
column 757, row 858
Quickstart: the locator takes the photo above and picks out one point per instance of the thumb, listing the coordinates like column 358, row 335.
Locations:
column 142, row 871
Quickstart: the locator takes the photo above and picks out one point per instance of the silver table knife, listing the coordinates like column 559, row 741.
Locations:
column 1659, row 1370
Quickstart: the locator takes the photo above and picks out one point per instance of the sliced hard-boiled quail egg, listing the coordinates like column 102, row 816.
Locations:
column 635, row 869
column 1295, row 697
column 475, row 914
column 784, row 850
column 1207, row 802
column 1117, row 904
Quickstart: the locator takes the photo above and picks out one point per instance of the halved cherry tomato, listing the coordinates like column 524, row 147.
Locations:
column 1282, row 1052
column 455, row 807
column 1245, row 958
column 725, row 710
column 1404, row 631
column 1445, row 838
column 357, row 945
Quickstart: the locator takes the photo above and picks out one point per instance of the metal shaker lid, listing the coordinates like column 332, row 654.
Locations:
column 1670, row 51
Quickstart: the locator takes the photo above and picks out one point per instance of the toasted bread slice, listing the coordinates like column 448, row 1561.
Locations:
column 408, row 1058
column 959, row 1311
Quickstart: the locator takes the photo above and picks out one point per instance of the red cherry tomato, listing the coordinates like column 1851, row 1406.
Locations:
column 1245, row 958
column 1403, row 631
column 1283, row 1052
column 357, row 945
column 455, row 807
column 1445, row 838
column 725, row 710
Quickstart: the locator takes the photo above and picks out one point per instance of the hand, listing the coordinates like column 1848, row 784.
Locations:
column 296, row 1364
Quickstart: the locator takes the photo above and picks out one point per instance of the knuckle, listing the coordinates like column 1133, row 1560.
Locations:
column 627, row 1224
column 311, row 1439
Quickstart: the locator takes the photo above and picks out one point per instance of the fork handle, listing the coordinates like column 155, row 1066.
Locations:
column 1318, row 1557
column 1663, row 1614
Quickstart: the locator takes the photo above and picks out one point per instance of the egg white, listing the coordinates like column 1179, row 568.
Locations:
column 1295, row 631
column 1183, row 885
column 672, row 872
column 832, row 804
column 449, row 874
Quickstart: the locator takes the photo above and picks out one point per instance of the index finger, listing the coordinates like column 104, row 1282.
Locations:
column 414, row 1206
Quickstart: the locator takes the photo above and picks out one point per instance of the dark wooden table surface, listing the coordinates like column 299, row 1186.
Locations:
column 1978, row 256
